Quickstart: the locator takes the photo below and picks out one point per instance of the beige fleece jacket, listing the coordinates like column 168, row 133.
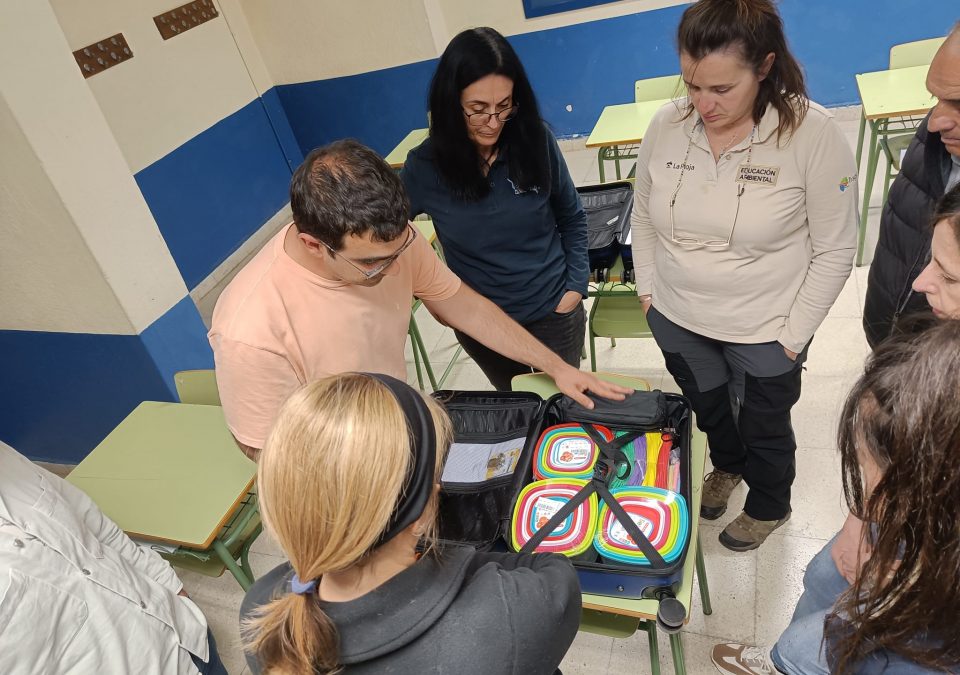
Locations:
column 795, row 233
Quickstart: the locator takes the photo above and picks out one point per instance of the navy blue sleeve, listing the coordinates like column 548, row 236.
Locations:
column 570, row 217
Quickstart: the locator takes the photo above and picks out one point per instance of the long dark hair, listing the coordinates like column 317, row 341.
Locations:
column 948, row 209
column 470, row 56
column 755, row 29
column 905, row 412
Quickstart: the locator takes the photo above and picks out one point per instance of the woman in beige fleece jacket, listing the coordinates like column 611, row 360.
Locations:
column 744, row 232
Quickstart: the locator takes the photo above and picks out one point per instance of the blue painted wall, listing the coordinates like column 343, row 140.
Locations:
column 377, row 108
column 63, row 393
column 594, row 64
column 214, row 191
column 178, row 341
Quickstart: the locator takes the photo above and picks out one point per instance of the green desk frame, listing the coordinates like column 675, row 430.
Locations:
column 171, row 473
column 421, row 356
column 894, row 102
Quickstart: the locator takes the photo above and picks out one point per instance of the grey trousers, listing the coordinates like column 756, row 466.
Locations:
column 742, row 395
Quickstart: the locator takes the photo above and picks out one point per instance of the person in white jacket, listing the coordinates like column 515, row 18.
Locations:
column 77, row 596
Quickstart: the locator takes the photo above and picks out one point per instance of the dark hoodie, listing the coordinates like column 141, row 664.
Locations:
column 463, row 612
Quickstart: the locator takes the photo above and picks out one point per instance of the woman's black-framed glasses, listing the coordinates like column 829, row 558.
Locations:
column 479, row 119
column 370, row 274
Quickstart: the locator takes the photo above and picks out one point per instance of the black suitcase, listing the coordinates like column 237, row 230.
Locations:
column 608, row 207
column 478, row 512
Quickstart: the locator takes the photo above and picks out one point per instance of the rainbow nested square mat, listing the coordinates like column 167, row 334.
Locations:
column 566, row 451
column 660, row 514
column 539, row 501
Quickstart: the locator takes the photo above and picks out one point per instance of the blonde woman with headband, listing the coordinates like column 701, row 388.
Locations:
column 349, row 479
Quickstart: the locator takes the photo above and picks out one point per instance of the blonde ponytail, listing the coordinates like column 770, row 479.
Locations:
column 330, row 475
column 292, row 635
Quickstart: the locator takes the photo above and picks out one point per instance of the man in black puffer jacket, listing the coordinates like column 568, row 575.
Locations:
column 930, row 167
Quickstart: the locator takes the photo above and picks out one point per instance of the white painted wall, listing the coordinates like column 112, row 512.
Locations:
column 172, row 89
column 49, row 278
column 304, row 40
column 69, row 198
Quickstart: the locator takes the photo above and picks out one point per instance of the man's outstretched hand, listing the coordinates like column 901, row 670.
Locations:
column 575, row 383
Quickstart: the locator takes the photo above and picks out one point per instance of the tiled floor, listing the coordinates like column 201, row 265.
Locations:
column 753, row 593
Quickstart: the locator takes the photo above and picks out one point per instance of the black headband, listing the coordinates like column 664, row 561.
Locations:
column 418, row 484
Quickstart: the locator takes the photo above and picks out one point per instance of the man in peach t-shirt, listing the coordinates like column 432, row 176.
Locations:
column 333, row 292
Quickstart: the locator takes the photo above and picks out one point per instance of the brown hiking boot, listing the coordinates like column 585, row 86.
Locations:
column 746, row 533
column 717, row 487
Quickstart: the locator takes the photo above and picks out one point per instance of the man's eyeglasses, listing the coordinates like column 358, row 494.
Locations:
column 371, row 273
column 479, row 119
column 693, row 242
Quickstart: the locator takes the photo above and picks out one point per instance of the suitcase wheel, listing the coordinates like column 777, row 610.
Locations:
column 670, row 615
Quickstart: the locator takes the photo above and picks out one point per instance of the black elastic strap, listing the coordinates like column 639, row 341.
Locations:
column 613, row 450
column 419, row 481
column 547, row 529
column 639, row 538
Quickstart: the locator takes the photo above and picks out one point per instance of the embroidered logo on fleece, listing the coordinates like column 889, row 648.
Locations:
column 518, row 191
column 845, row 182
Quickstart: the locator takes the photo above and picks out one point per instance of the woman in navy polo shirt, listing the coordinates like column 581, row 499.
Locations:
column 505, row 209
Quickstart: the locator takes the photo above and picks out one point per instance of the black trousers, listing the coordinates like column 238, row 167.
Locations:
column 756, row 441
column 562, row 333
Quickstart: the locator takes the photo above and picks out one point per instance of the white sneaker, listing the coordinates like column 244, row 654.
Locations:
column 736, row 659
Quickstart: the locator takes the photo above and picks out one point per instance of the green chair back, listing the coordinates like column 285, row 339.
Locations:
column 919, row 53
column 197, row 386
column 544, row 386
column 619, row 316
column 655, row 88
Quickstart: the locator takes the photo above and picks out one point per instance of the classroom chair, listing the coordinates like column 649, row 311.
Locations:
column 654, row 88
column 231, row 550
column 615, row 313
column 197, row 386
column 893, row 148
column 918, row 53
column 906, row 55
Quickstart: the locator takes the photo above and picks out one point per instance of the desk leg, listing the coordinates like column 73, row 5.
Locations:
column 863, row 128
column 873, row 156
column 616, row 162
column 601, row 156
column 702, row 579
column 418, row 344
column 416, row 357
column 676, row 646
column 651, row 627
column 245, row 553
column 235, row 569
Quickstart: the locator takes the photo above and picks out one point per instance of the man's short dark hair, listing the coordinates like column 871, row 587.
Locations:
column 345, row 188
